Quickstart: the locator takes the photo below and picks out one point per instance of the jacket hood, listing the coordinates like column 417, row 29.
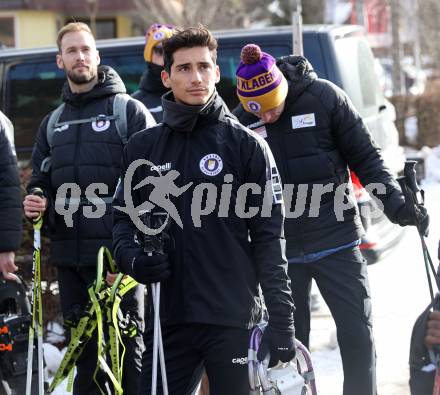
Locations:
column 151, row 80
column 298, row 72
column 183, row 118
column 109, row 83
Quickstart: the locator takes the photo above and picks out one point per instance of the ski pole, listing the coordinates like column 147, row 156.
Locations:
column 154, row 244
column 410, row 189
column 36, row 324
column 158, row 344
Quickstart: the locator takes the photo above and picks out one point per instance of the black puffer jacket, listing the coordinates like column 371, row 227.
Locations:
column 215, row 269
column 151, row 89
column 318, row 137
column 84, row 154
column 10, row 193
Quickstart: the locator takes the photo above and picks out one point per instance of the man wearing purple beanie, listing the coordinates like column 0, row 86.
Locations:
column 316, row 135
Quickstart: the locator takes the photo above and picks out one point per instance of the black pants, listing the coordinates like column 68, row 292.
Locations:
column 73, row 285
column 343, row 282
column 222, row 351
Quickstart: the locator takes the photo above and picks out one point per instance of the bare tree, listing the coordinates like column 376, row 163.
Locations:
column 429, row 14
column 92, row 9
column 396, row 50
column 212, row 13
column 313, row 11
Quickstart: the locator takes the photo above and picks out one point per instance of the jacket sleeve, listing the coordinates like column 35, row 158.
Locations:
column 360, row 151
column 267, row 236
column 138, row 117
column 10, row 195
column 124, row 246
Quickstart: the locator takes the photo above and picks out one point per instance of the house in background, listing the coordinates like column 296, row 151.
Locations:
column 35, row 23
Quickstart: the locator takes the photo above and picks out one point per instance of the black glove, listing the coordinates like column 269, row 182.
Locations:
column 405, row 216
column 280, row 344
column 151, row 269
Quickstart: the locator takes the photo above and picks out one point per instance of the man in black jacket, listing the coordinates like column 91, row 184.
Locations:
column 151, row 87
column 10, row 200
column 218, row 254
column 316, row 135
column 85, row 148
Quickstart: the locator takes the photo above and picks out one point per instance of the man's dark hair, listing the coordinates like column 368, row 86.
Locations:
column 190, row 37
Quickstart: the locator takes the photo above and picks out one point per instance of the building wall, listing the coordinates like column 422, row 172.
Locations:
column 39, row 28
column 123, row 26
column 36, row 28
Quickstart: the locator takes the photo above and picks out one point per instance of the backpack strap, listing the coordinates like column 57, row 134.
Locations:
column 119, row 116
column 52, row 124
column 50, row 130
column 120, row 113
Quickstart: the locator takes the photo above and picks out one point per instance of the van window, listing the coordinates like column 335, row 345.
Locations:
column 358, row 75
column 7, row 31
column 33, row 89
column 228, row 60
column 313, row 53
column 129, row 67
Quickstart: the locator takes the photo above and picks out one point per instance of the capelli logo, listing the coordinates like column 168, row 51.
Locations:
column 240, row 361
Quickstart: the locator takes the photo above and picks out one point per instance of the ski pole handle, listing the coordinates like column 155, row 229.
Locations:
column 37, row 192
column 409, row 172
column 404, row 187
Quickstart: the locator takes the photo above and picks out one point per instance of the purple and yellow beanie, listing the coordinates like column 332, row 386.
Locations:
column 261, row 85
column 156, row 33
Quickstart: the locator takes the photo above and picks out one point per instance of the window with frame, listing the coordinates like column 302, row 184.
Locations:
column 105, row 27
column 7, row 31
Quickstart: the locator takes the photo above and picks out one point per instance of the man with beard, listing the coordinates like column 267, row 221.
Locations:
column 85, row 147
column 151, row 88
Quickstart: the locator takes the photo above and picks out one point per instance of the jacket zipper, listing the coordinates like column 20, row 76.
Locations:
column 297, row 222
column 76, row 177
column 185, row 205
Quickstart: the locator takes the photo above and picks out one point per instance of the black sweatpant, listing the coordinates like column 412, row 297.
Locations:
column 73, row 284
column 342, row 279
column 222, row 351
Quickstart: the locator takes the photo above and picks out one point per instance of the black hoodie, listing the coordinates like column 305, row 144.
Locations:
column 84, row 154
column 215, row 268
column 151, row 90
column 318, row 137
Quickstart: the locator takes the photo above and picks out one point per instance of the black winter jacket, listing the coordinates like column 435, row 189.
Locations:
column 151, row 90
column 84, row 154
column 215, row 268
column 318, row 137
column 10, row 192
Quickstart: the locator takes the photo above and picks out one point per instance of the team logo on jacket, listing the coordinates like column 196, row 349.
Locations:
column 211, row 164
column 100, row 124
column 254, row 106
